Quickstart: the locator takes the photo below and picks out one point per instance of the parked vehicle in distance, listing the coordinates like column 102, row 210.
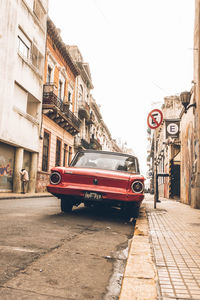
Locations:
column 99, row 177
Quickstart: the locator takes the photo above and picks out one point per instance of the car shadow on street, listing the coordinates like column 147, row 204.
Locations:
column 99, row 213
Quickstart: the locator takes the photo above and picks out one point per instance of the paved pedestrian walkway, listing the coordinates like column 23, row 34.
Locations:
column 174, row 231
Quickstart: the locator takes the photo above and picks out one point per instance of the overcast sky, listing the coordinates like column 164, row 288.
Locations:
column 139, row 51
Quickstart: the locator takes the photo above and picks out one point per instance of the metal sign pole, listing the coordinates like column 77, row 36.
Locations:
column 154, row 120
column 156, row 187
column 156, row 198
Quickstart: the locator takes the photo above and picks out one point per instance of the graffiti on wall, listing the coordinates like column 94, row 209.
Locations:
column 42, row 182
column 5, row 170
column 6, row 167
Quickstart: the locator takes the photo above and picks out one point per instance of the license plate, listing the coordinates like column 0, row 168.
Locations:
column 93, row 196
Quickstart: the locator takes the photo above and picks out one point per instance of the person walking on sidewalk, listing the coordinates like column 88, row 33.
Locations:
column 24, row 179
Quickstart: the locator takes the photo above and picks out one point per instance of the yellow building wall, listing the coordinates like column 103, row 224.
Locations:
column 55, row 132
column 60, row 64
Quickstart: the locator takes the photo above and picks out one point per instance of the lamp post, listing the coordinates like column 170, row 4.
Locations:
column 185, row 100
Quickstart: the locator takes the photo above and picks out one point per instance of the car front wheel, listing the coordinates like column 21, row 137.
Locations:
column 66, row 205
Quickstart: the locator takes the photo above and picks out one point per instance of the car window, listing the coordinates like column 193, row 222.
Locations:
column 106, row 161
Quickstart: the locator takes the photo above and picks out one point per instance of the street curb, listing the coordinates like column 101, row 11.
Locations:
column 140, row 276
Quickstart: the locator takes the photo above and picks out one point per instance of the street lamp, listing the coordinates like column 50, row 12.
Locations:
column 185, row 100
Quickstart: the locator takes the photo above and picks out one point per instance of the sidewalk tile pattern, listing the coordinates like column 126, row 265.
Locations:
column 175, row 236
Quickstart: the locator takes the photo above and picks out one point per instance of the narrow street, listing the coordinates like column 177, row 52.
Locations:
column 45, row 254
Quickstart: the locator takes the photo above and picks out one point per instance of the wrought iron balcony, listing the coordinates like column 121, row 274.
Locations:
column 81, row 143
column 83, row 110
column 95, row 144
column 91, row 119
column 59, row 111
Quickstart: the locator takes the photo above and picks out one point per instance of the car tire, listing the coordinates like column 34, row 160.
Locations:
column 134, row 211
column 131, row 211
column 65, row 205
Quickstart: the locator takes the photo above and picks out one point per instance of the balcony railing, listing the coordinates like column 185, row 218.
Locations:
column 91, row 119
column 95, row 144
column 82, row 143
column 65, row 116
column 84, row 109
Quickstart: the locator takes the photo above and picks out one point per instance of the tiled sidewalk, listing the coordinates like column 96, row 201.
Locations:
column 175, row 235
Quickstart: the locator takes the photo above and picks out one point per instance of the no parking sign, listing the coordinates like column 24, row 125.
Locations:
column 155, row 118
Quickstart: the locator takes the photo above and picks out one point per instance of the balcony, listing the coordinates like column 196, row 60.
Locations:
column 84, row 143
column 83, row 110
column 91, row 119
column 81, row 143
column 95, row 144
column 59, row 112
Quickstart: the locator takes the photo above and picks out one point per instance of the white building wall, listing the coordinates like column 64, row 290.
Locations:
column 22, row 52
column 21, row 81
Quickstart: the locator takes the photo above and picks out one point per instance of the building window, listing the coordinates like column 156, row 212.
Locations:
column 58, row 152
column 39, row 11
column 23, row 48
column 70, row 93
column 45, row 156
column 65, row 155
column 70, row 155
column 36, row 58
column 49, row 74
column 24, row 44
column 69, row 96
column 81, row 93
column 29, row 51
column 60, row 90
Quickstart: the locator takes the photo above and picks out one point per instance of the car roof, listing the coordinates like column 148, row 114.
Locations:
column 106, row 152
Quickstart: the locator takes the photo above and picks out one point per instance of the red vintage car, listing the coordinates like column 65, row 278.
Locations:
column 99, row 177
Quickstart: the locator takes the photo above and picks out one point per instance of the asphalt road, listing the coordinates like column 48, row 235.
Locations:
column 45, row 254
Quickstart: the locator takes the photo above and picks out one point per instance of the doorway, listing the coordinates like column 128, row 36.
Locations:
column 174, row 179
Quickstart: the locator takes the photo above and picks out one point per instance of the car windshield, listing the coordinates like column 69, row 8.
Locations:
column 106, row 161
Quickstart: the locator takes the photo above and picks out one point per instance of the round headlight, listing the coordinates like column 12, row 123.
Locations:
column 137, row 187
column 55, row 178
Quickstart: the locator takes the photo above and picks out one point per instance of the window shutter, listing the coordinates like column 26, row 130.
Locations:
column 35, row 54
column 38, row 11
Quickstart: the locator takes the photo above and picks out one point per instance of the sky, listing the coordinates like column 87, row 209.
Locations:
column 139, row 51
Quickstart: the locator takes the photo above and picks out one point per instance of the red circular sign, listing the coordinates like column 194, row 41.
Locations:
column 155, row 118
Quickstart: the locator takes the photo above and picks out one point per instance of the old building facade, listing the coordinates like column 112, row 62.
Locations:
column 164, row 150
column 59, row 123
column 82, row 100
column 191, row 122
column 190, row 128
column 183, row 154
column 94, row 134
column 100, row 135
column 47, row 109
column 22, row 55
